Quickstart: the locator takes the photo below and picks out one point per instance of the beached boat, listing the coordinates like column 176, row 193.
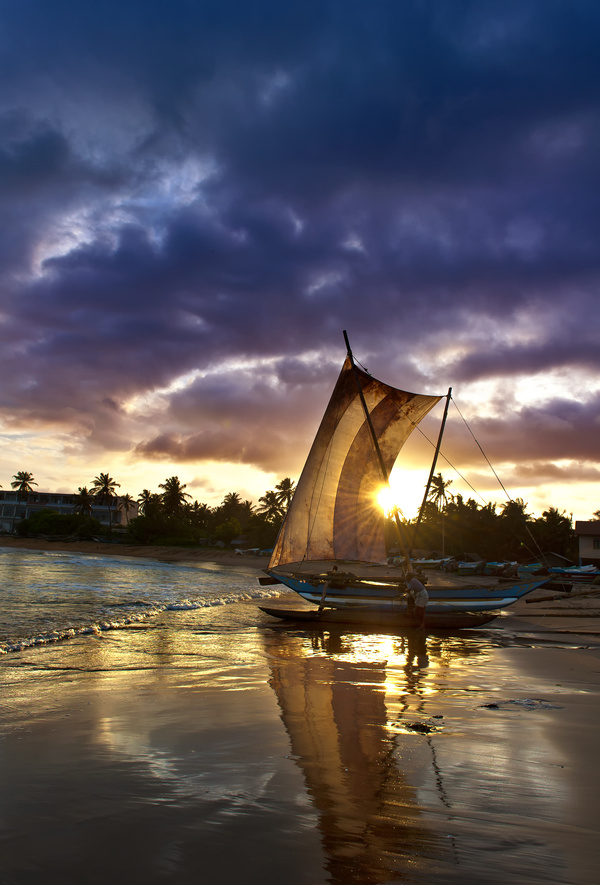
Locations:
column 331, row 546
column 368, row 587
column 581, row 574
column 470, row 568
column 501, row 567
column 367, row 617
column 429, row 563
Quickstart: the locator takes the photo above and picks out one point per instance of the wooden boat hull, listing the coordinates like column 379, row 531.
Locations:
column 388, row 596
column 577, row 575
column 371, row 617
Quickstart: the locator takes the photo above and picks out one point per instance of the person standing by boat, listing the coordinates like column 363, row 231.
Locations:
column 326, row 587
column 419, row 595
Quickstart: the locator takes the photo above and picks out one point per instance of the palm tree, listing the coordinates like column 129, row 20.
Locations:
column 22, row 482
column 285, row 492
column 104, row 489
column 269, row 506
column 516, row 511
column 439, row 497
column 514, row 525
column 144, row 499
column 245, row 513
column 437, row 492
column 127, row 503
column 231, row 505
column 173, row 496
column 554, row 531
column 83, row 502
column 150, row 503
column 200, row 515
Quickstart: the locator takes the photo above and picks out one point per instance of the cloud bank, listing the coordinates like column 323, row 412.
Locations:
column 198, row 198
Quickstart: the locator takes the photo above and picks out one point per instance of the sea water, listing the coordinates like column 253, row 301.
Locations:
column 51, row 596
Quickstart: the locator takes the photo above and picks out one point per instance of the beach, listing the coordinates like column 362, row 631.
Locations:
column 162, row 554
column 218, row 745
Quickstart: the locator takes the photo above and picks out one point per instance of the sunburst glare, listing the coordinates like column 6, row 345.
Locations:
column 386, row 499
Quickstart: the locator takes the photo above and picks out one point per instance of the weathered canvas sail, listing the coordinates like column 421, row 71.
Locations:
column 334, row 514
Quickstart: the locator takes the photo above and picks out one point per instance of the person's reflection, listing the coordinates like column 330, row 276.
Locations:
column 417, row 659
column 335, row 713
column 330, row 642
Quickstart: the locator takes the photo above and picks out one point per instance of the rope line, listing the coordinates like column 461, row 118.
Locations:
column 477, row 443
column 536, row 546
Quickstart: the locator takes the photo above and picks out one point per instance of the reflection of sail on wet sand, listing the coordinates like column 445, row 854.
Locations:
column 415, row 776
column 336, row 716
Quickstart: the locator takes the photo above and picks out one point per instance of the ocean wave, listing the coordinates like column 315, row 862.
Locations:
column 151, row 610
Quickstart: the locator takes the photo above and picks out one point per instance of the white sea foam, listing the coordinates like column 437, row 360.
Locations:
column 56, row 596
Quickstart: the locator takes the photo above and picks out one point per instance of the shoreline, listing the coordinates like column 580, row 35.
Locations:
column 216, row 744
column 139, row 551
column 576, row 613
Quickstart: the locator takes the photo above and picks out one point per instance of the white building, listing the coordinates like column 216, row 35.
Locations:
column 588, row 534
column 16, row 506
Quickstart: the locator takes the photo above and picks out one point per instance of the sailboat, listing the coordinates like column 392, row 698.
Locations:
column 331, row 547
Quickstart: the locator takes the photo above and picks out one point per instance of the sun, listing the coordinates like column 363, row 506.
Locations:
column 386, row 499
column 404, row 492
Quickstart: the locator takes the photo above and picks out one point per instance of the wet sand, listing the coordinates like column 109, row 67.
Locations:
column 217, row 745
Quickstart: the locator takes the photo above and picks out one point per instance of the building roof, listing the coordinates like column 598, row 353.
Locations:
column 589, row 527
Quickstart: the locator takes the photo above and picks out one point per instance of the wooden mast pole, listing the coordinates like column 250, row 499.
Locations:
column 384, row 473
column 432, row 471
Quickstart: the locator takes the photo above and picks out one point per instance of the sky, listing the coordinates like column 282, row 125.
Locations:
column 199, row 196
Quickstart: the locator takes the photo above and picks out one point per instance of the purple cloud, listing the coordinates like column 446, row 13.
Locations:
column 191, row 187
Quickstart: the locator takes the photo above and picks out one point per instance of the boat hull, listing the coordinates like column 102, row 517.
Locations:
column 389, row 596
column 366, row 617
column 577, row 575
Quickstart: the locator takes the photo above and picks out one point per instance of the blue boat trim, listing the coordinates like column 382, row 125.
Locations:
column 387, row 596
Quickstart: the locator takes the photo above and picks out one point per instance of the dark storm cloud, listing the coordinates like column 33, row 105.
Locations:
column 186, row 184
column 566, row 342
column 559, row 430
column 249, row 417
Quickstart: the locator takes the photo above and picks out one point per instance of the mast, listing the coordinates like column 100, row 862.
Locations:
column 432, row 471
column 384, row 473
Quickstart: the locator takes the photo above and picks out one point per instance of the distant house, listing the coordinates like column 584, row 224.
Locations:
column 588, row 535
column 14, row 507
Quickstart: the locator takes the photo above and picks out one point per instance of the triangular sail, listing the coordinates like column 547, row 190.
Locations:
column 334, row 514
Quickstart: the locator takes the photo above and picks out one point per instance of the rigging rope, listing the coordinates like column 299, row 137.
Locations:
column 477, row 443
column 466, row 481
column 446, row 459
column 502, row 486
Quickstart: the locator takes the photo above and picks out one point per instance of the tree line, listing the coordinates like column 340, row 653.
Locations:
column 166, row 517
column 452, row 526
column 448, row 523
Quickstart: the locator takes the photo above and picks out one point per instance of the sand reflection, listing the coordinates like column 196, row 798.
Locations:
column 344, row 699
